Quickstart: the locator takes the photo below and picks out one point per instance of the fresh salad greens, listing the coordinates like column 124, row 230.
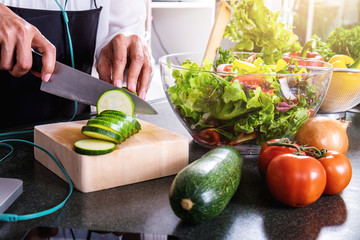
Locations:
column 253, row 101
column 340, row 41
column 257, row 29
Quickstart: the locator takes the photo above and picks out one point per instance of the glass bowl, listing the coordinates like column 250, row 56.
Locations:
column 218, row 111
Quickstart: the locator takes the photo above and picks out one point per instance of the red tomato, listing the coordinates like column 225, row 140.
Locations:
column 312, row 58
column 311, row 112
column 338, row 172
column 224, row 68
column 267, row 153
column 251, row 59
column 296, row 180
column 250, row 81
column 208, row 137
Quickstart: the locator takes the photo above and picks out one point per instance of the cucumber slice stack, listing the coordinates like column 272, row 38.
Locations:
column 116, row 99
column 110, row 126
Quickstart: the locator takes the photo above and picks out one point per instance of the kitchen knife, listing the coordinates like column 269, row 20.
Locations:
column 69, row 83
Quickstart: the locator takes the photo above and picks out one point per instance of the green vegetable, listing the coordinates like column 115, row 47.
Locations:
column 340, row 41
column 115, row 99
column 110, row 126
column 206, row 100
column 102, row 134
column 356, row 63
column 120, row 127
column 224, row 57
column 323, row 48
column 121, row 116
column 202, row 190
column 93, row 147
column 256, row 29
column 345, row 41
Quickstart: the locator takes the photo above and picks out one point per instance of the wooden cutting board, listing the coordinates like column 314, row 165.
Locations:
column 153, row 152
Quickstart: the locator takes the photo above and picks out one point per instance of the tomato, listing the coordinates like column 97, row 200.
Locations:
column 224, row 68
column 338, row 172
column 311, row 112
column 251, row 59
column 312, row 58
column 267, row 153
column 295, row 180
column 207, row 136
column 250, row 81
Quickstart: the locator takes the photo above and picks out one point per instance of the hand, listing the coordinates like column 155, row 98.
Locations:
column 17, row 38
column 126, row 51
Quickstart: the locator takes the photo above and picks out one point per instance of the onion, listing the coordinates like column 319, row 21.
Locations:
column 324, row 133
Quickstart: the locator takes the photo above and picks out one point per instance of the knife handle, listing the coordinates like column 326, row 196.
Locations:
column 37, row 62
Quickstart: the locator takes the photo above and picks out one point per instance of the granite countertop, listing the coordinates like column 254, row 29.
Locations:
column 144, row 207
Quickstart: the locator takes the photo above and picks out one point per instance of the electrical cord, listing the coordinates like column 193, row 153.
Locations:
column 8, row 217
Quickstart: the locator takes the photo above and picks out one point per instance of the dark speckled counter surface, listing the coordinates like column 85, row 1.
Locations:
column 144, row 207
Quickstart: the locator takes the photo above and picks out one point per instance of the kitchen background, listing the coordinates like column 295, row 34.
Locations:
column 184, row 26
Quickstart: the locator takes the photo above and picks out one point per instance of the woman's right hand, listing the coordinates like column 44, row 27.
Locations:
column 18, row 38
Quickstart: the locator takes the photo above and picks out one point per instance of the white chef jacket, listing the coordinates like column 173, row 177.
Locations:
column 117, row 16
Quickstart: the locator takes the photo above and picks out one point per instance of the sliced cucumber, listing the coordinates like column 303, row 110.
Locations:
column 128, row 124
column 115, row 99
column 125, row 125
column 93, row 147
column 115, row 113
column 102, row 133
column 119, row 126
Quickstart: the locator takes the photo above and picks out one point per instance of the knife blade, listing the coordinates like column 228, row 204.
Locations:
column 70, row 83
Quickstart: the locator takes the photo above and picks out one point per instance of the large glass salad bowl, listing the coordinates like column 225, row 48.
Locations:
column 239, row 100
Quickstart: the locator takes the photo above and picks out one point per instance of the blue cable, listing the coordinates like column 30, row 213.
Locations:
column 8, row 217
column 13, row 217
column 66, row 20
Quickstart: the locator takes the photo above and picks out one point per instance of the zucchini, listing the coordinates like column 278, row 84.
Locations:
column 101, row 122
column 126, row 125
column 119, row 127
column 119, row 114
column 115, row 99
column 93, row 147
column 102, row 133
column 202, row 189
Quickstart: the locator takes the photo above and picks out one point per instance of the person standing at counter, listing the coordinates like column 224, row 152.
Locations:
column 105, row 34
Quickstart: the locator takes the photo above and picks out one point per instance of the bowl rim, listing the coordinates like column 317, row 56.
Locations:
column 327, row 69
column 348, row 70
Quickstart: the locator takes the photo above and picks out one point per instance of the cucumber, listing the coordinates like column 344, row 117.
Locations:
column 117, row 126
column 115, row 113
column 202, row 189
column 93, row 147
column 115, row 99
column 126, row 125
column 102, row 133
column 101, row 122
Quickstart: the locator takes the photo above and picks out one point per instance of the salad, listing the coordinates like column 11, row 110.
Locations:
column 244, row 100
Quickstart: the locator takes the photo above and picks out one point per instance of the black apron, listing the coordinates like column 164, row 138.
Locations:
column 21, row 101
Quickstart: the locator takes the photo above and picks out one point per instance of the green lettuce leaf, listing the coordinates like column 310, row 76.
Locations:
column 257, row 29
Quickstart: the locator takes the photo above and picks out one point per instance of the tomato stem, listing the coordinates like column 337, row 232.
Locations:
column 316, row 153
column 285, row 142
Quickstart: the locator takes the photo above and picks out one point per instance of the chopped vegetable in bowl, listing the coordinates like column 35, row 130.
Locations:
column 244, row 100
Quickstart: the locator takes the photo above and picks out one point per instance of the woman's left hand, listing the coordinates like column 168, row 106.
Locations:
column 126, row 52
